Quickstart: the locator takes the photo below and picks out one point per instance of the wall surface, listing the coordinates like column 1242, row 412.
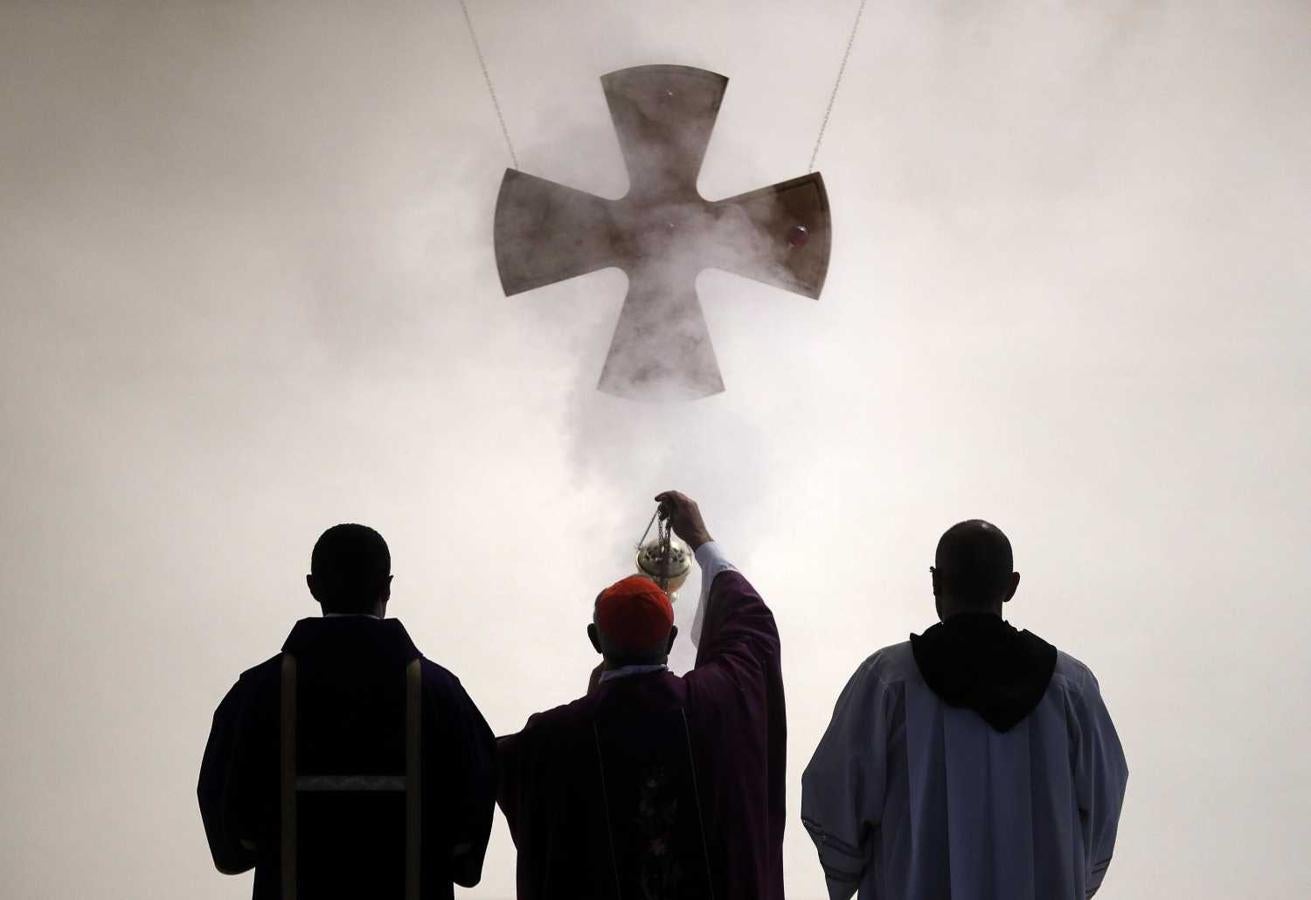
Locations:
column 247, row 290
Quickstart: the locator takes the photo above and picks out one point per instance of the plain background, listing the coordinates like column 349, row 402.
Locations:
column 248, row 291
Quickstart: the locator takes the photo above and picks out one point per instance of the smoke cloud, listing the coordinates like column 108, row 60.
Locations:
column 662, row 233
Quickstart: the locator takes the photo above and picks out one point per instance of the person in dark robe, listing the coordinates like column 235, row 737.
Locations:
column 348, row 765
column 655, row 786
column 975, row 761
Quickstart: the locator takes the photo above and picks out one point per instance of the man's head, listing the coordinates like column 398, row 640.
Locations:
column 972, row 569
column 350, row 570
column 633, row 623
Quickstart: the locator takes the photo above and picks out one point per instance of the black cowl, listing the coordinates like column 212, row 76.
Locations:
column 979, row 661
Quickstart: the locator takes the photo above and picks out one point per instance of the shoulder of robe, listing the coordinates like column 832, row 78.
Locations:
column 890, row 664
column 434, row 675
column 437, row 676
column 1077, row 676
column 444, row 686
column 565, row 717
column 253, row 690
column 257, row 676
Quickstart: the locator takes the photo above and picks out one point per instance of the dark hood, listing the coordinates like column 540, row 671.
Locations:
column 978, row 661
column 354, row 640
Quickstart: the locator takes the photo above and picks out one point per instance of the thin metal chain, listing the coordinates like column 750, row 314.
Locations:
column 664, row 541
column 642, row 540
column 666, row 553
column 842, row 70
column 482, row 63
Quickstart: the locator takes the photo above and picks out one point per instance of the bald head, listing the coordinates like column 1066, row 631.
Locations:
column 973, row 566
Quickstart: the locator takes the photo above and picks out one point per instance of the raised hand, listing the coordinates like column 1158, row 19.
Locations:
column 684, row 517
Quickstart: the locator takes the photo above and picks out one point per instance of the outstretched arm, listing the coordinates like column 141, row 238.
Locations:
column 737, row 683
column 710, row 557
column 733, row 628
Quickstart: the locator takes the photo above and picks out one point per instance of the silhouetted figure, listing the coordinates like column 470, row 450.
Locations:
column 348, row 766
column 654, row 785
column 974, row 762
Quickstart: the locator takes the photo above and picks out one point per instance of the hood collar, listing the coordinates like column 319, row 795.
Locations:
column 979, row 661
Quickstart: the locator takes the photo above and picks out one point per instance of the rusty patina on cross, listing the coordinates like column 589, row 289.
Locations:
column 662, row 233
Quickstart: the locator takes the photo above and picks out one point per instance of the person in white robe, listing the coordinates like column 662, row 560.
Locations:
column 973, row 762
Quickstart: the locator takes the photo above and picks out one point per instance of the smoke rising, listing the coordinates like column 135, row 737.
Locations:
column 249, row 291
column 661, row 233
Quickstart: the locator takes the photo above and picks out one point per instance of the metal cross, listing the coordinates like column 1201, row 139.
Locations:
column 662, row 233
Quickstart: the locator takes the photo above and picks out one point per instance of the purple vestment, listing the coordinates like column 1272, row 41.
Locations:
column 656, row 785
column 350, row 719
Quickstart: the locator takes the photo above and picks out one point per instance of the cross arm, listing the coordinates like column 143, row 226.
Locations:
column 779, row 235
column 546, row 232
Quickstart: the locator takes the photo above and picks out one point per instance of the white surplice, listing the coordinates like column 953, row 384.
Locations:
column 908, row 798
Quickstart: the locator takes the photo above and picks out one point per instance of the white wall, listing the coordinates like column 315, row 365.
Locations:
column 248, row 291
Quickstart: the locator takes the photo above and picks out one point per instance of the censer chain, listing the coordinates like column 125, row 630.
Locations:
column 664, row 532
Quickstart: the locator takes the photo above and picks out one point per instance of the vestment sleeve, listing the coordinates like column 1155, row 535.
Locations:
column 711, row 559
column 513, row 756
column 737, row 640
column 221, row 789
column 464, row 762
column 843, row 786
column 1100, row 777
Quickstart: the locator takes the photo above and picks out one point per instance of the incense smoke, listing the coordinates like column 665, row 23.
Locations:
column 662, row 233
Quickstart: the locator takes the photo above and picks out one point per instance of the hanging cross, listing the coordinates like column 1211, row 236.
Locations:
column 662, row 233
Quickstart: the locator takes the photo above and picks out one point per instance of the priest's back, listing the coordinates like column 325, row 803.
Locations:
column 655, row 785
column 603, row 799
column 346, row 706
column 348, row 765
column 975, row 761
column 911, row 798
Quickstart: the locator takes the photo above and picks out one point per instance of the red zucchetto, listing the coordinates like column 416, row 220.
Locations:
column 634, row 615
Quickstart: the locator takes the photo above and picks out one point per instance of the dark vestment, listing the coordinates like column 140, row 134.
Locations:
column 351, row 720
column 981, row 662
column 655, row 786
